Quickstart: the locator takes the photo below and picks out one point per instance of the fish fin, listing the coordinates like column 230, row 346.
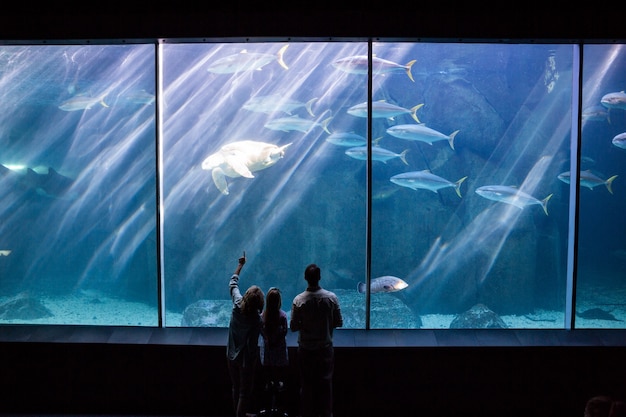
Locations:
column 414, row 110
column 325, row 123
column 544, row 203
column 281, row 62
column 403, row 156
column 220, row 180
column 609, row 183
column 457, row 186
column 451, row 138
column 408, row 69
column 309, row 106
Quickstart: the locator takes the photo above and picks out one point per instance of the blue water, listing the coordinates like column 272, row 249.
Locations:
column 92, row 222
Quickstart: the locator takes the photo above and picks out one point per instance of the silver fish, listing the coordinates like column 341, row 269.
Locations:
column 426, row 181
column 358, row 64
column 378, row 154
column 241, row 159
column 595, row 114
column 139, row 97
column 615, row 100
column 511, row 195
column 82, row 102
column 277, row 103
column 421, row 133
column 246, row 61
column 346, row 139
column 295, row 122
column 381, row 193
column 387, row 283
column 589, row 179
column 620, row 140
column 382, row 109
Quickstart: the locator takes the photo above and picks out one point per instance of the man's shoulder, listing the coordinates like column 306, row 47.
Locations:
column 328, row 293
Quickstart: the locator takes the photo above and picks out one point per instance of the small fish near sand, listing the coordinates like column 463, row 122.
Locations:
column 597, row 314
column 387, row 283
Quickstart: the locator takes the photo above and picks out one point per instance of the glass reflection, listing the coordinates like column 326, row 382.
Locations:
column 77, row 185
column 600, row 290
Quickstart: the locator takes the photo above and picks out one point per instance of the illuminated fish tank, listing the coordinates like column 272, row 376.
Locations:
column 78, row 185
column 128, row 199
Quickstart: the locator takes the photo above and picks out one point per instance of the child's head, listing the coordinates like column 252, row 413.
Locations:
column 273, row 299
column 253, row 300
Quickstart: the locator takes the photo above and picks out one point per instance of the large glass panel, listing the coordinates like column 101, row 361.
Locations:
column 469, row 218
column 254, row 160
column 78, row 185
column 601, row 288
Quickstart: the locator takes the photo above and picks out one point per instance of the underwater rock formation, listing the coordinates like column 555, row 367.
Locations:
column 23, row 307
column 207, row 313
column 478, row 317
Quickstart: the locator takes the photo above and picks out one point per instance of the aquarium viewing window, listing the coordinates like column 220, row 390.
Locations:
column 431, row 181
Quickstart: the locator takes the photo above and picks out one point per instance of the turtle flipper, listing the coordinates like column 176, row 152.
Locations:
column 220, row 180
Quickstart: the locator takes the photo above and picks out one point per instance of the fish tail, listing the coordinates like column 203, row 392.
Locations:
column 609, row 183
column 281, row 62
column 103, row 103
column 451, row 138
column 309, row 105
column 414, row 112
column 408, row 69
column 457, row 186
column 325, row 123
column 544, row 203
column 360, row 287
column 403, row 156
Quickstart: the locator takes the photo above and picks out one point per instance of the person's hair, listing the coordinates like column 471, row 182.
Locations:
column 312, row 274
column 273, row 302
column 598, row 406
column 253, row 300
column 618, row 409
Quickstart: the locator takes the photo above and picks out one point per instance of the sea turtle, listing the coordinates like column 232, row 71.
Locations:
column 241, row 159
